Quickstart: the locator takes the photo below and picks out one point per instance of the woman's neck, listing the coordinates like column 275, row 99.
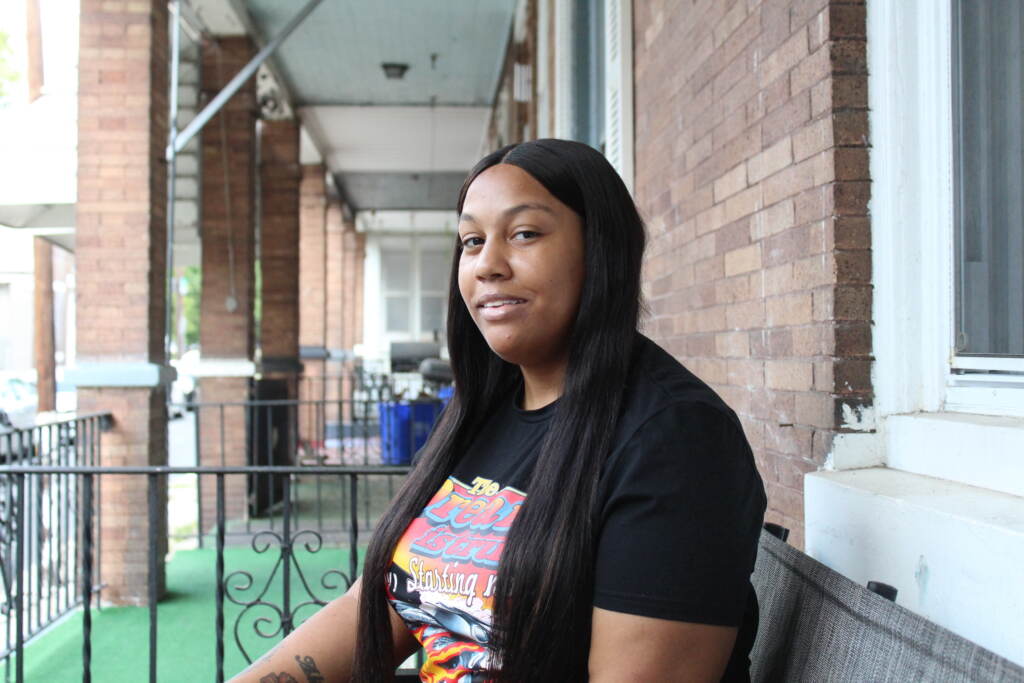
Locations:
column 542, row 385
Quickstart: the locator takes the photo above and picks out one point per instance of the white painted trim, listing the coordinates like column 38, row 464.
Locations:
column 118, row 374
column 564, row 69
column 1001, row 364
column 224, row 367
column 978, row 450
column 912, row 202
column 913, row 222
column 544, row 57
column 988, row 400
column 618, row 73
column 373, row 343
column 851, row 451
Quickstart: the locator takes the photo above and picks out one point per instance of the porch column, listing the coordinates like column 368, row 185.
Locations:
column 279, row 263
column 279, row 246
column 312, row 298
column 346, row 251
column 334, row 323
column 120, row 254
column 227, row 219
column 46, row 382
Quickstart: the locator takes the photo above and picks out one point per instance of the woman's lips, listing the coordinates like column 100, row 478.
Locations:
column 502, row 309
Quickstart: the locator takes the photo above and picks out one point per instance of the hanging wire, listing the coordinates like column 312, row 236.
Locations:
column 231, row 302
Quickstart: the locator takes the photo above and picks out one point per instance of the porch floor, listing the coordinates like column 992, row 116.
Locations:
column 186, row 620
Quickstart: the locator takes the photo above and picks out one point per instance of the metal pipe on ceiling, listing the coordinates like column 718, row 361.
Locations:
column 214, row 106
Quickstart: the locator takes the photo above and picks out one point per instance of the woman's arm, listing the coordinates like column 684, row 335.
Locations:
column 323, row 648
column 626, row 647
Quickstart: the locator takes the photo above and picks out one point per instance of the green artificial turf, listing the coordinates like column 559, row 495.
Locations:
column 186, row 621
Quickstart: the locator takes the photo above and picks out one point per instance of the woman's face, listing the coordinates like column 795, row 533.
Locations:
column 521, row 268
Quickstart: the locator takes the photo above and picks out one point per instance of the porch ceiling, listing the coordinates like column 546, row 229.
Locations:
column 453, row 48
column 390, row 143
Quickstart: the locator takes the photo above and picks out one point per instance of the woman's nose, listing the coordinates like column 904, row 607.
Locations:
column 492, row 262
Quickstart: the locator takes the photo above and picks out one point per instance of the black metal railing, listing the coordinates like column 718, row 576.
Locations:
column 291, row 432
column 239, row 587
column 43, row 546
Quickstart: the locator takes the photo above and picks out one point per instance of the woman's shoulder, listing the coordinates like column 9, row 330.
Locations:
column 659, row 382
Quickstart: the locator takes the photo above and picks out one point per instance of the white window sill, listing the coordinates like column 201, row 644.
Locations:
column 953, row 551
column 977, row 450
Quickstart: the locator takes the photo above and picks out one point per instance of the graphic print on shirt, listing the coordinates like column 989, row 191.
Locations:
column 443, row 573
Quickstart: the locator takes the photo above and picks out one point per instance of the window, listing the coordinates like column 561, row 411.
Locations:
column 588, row 56
column 988, row 94
column 414, row 286
column 943, row 133
column 594, row 82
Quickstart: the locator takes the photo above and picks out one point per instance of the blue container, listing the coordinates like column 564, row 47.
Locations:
column 404, row 428
column 445, row 394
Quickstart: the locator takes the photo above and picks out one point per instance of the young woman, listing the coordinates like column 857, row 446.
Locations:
column 586, row 507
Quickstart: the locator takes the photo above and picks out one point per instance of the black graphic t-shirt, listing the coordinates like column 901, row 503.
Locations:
column 680, row 512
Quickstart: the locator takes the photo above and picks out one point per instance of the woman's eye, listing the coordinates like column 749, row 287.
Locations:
column 471, row 242
column 525, row 234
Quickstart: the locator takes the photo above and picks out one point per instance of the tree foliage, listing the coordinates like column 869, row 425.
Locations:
column 8, row 75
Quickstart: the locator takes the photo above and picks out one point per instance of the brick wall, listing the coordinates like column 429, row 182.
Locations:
column 120, row 263
column 227, row 219
column 279, row 244
column 752, row 172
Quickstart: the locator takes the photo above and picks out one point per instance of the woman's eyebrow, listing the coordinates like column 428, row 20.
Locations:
column 511, row 211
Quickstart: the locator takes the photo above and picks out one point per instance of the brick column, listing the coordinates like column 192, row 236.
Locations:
column 226, row 330
column 279, row 260
column 334, row 320
column 44, row 342
column 752, row 170
column 312, row 299
column 279, row 245
column 120, row 259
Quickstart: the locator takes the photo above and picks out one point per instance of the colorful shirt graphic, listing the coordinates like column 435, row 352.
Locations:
column 443, row 574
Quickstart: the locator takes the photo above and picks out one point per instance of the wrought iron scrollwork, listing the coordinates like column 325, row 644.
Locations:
column 282, row 619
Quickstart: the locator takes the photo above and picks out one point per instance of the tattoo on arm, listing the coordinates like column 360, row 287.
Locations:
column 309, row 668
column 282, row 677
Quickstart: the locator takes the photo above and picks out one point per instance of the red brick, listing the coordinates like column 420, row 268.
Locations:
column 772, row 159
column 778, row 62
column 802, row 138
column 853, row 339
column 849, row 56
column 811, row 70
column 847, row 21
column 853, row 266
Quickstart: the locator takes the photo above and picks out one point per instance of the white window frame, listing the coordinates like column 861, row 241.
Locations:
column 910, row 59
column 415, row 244
column 618, row 74
column 618, row 78
column 913, row 174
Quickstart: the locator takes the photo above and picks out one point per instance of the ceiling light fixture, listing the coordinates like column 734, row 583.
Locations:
column 394, row 70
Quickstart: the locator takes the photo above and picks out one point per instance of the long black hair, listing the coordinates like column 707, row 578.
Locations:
column 544, row 592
